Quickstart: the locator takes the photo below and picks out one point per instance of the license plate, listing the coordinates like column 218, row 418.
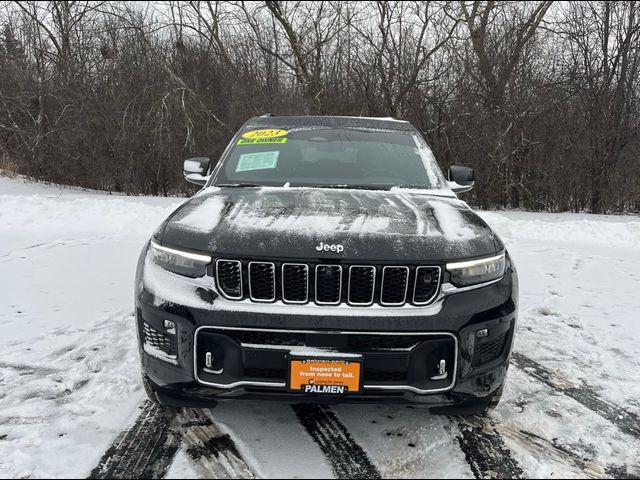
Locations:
column 325, row 376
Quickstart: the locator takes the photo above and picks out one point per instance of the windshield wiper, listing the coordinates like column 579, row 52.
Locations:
column 355, row 187
column 236, row 185
column 418, row 187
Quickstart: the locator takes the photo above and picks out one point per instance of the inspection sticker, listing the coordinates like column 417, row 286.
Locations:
column 265, row 133
column 257, row 161
column 262, row 141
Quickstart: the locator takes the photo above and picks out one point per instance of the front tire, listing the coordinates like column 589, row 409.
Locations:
column 495, row 399
column 150, row 391
column 471, row 407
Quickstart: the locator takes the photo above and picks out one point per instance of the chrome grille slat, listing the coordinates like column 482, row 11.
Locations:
column 229, row 278
column 290, row 282
column 262, row 281
column 328, row 284
column 362, row 285
column 395, row 294
column 426, row 284
column 293, row 276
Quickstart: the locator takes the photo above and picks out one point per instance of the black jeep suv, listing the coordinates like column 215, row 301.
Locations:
column 326, row 259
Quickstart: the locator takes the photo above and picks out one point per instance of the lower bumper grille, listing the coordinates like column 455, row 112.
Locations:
column 159, row 344
column 247, row 357
column 265, row 373
column 489, row 351
column 385, row 377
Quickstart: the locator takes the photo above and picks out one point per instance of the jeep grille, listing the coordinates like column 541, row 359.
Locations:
column 327, row 284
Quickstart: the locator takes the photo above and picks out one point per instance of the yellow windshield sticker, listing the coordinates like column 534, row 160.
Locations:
column 265, row 133
column 261, row 141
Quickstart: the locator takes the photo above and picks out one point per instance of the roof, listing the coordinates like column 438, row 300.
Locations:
column 384, row 123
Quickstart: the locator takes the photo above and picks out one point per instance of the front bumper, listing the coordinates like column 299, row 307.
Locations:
column 253, row 365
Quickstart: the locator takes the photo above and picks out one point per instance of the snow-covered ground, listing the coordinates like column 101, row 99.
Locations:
column 69, row 375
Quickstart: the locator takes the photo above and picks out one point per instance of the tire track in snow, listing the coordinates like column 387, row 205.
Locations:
column 213, row 452
column 346, row 457
column 24, row 369
column 485, row 450
column 626, row 422
column 27, row 252
column 553, row 450
column 146, row 450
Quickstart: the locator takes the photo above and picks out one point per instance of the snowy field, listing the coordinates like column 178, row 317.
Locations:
column 69, row 374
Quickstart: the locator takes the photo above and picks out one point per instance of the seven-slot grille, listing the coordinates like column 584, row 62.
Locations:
column 327, row 284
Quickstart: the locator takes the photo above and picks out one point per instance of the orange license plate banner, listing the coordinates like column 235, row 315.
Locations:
column 325, row 376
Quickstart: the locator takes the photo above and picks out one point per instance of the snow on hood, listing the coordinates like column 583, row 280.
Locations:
column 205, row 218
column 284, row 222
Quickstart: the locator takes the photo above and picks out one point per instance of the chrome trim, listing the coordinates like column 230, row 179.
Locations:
column 415, row 284
column 373, row 287
column 344, row 309
column 442, row 371
column 258, row 346
column 450, row 289
column 273, row 271
column 406, row 286
column 316, row 284
column 407, row 388
column 306, row 270
column 213, row 372
column 239, row 297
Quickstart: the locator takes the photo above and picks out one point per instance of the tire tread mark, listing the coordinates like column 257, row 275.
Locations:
column 485, row 450
column 553, row 450
column 626, row 422
column 146, row 450
column 213, row 453
column 346, row 457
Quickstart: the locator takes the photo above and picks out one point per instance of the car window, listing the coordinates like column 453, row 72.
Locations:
column 330, row 157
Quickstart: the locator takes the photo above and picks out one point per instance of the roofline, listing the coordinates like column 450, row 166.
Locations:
column 384, row 119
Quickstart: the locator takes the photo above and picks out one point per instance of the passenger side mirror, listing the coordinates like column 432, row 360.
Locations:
column 461, row 179
column 195, row 170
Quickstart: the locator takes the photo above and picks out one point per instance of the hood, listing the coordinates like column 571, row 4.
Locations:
column 292, row 223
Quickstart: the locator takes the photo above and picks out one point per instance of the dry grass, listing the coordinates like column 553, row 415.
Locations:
column 8, row 167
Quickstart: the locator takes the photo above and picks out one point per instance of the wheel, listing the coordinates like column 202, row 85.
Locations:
column 150, row 390
column 495, row 398
column 168, row 410
column 471, row 407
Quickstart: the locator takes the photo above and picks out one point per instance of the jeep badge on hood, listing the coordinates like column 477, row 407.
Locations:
column 325, row 247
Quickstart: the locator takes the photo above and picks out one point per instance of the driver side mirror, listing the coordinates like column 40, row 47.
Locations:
column 195, row 170
column 461, row 179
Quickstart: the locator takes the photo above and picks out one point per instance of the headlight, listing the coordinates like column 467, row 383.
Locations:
column 176, row 261
column 473, row 272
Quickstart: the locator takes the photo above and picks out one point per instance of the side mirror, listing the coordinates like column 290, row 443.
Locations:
column 195, row 170
column 461, row 179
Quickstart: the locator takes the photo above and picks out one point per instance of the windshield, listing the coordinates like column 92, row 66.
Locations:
column 330, row 157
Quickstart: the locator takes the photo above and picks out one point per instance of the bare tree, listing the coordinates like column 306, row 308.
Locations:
column 605, row 48
column 307, row 29
column 542, row 98
column 403, row 39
